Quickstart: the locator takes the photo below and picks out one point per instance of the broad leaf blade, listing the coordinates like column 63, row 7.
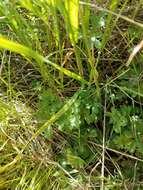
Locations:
column 29, row 53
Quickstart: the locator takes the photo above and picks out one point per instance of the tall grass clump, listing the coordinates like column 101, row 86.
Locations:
column 71, row 95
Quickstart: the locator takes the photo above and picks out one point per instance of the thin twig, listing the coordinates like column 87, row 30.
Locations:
column 116, row 151
column 113, row 13
column 103, row 145
column 136, row 49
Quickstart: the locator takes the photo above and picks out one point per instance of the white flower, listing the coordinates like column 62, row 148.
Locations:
column 135, row 118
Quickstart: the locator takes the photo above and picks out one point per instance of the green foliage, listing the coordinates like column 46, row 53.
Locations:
column 76, row 121
column 49, row 104
column 118, row 119
column 85, row 110
column 70, row 121
column 126, row 126
column 73, row 160
column 51, row 134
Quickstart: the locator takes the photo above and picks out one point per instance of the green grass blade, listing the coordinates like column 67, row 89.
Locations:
column 72, row 8
column 29, row 53
column 108, row 29
column 56, row 116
